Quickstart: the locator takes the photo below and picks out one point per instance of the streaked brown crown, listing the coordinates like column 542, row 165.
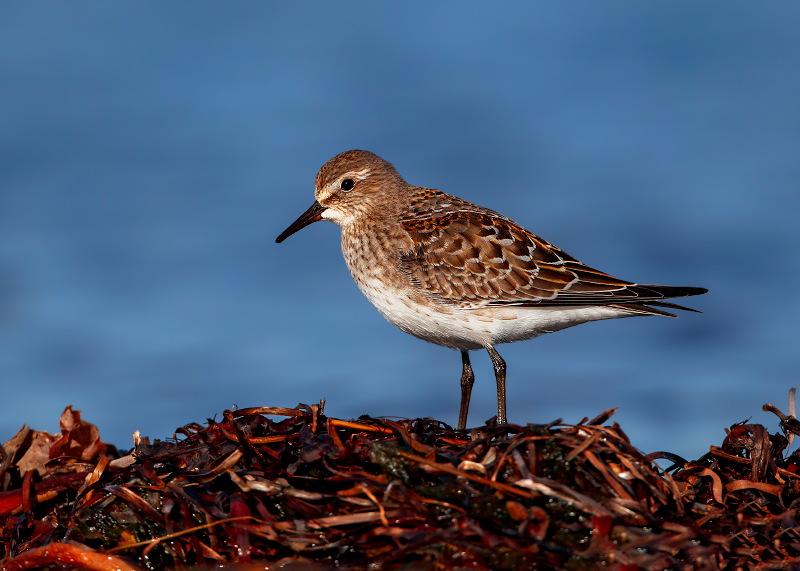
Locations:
column 355, row 161
column 375, row 191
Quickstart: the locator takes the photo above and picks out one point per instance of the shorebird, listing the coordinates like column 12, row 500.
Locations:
column 459, row 275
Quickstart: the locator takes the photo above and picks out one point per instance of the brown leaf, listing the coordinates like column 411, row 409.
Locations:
column 79, row 439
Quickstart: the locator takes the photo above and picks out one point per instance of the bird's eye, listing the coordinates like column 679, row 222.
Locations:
column 347, row 184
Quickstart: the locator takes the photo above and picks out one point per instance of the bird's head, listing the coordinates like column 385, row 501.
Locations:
column 348, row 187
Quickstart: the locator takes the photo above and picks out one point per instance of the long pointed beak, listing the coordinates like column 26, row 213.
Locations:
column 313, row 214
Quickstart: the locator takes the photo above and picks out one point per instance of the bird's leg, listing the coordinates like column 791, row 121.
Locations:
column 500, row 375
column 467, row 380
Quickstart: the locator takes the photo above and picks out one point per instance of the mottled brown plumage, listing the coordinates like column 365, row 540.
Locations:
column 459, row 275
column 472, row 257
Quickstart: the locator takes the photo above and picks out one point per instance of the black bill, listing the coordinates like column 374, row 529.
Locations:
column 313, row 214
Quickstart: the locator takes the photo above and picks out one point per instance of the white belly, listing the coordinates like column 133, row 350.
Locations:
column 469, row 329
column 403, row 304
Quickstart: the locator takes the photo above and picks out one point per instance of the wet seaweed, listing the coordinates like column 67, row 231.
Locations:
column 293, row 488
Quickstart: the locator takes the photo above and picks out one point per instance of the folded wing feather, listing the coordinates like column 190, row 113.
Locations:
column 471, row 257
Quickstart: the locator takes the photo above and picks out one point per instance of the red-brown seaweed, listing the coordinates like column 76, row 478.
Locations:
column 295, row 489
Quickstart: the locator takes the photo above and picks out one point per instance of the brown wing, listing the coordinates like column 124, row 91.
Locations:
column 473, row 257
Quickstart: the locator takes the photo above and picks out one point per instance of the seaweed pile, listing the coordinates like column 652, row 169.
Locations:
column 295, row 489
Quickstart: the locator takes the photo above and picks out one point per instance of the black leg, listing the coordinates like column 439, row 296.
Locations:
column 467, row 380
column 500, row 375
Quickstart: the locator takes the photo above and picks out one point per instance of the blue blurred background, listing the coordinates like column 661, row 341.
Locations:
column 151, row 152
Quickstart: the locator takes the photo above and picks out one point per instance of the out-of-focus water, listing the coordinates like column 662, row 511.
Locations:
column 150, row 153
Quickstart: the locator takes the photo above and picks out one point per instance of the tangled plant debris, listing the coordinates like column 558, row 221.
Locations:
column 295, row 489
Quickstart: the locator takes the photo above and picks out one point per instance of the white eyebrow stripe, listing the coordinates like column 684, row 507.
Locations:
column 360, row 175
